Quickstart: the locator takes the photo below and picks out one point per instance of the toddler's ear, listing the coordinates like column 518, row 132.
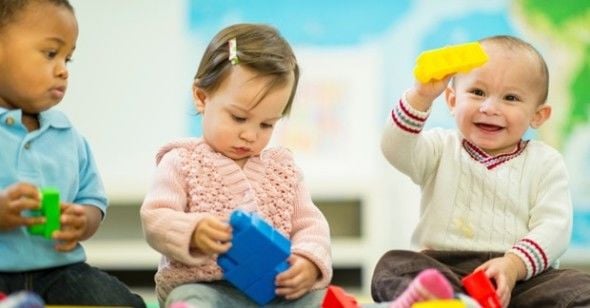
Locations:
column 541, row 115
column 199, row 98
column 450, row 98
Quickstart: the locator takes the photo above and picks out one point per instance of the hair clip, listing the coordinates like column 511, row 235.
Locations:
column 233, row 51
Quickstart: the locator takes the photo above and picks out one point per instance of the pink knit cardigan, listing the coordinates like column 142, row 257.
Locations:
column 193, row 181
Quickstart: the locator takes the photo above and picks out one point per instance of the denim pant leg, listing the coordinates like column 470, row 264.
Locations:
column 222, row 294
column 81, row 284
column 4, row 284
column 209, row 295
column 310, row 299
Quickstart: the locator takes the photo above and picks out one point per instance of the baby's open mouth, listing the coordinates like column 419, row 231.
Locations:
column 488, row 127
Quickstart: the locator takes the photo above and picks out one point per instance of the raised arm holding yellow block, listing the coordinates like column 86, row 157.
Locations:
column 435, row 64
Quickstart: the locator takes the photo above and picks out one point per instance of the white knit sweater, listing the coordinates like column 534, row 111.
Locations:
column 517, row 202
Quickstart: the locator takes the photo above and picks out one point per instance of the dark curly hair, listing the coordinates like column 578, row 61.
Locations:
column 10, row 8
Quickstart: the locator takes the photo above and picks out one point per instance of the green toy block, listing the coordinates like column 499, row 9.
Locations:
column 50, row 209
column 435, row 64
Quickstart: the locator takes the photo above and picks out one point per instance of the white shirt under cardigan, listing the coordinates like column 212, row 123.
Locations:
column 518, row 202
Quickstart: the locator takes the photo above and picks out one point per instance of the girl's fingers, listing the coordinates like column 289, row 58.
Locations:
column 290, row 292
column 295, row 294
column 210, row 246
column 220, row 247
column 286, row 276
column 218, row 235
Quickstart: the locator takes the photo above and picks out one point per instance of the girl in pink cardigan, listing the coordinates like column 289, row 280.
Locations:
column 245, row 84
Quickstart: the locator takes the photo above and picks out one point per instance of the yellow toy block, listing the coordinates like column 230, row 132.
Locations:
column 440, row 303
column 435, row 64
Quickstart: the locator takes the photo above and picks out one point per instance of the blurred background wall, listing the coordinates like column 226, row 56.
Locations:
column 130, row 93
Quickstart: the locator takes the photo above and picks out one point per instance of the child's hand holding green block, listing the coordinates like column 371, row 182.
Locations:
column 50, row 209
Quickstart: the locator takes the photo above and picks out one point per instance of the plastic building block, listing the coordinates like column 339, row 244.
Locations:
column 257, row 255
column 51, row 210
column 23, row 299
column 440, row 303
column 435, row 64
column 336, row 297
column 479, row 286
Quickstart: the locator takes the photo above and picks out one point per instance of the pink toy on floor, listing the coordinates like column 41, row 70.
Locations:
column 428, row 285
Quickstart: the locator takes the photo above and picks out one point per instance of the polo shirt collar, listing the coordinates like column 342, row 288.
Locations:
column 54, row 118
column 51, row 117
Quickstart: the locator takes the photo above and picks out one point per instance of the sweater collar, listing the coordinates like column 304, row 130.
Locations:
column 490, row 161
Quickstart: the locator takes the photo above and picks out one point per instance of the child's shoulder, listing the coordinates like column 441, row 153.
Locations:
column 182, row 144
column 54, row 119
column 542, row 151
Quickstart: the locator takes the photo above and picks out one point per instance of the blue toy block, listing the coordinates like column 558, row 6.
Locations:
column 258, row 254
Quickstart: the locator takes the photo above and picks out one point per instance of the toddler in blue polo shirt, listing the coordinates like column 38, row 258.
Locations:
column 41, row 148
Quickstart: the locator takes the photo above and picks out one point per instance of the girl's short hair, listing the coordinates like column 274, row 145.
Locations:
column 260, row 48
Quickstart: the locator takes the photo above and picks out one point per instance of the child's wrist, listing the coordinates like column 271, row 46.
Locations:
column 418, row 100
column 518, row 264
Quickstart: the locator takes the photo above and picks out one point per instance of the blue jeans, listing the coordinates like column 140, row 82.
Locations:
column 75, row 284
column 222, row 294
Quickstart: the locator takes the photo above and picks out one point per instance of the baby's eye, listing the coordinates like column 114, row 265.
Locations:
column 50, row 54
column 266, row 125
column 512, row 98
column 238, row 119
column 477, row 92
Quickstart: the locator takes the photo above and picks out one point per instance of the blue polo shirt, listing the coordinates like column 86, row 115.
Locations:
column 54, row 155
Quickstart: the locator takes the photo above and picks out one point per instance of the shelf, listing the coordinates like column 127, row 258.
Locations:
column 347, row 252
column 136, row 254
column 121, row 254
